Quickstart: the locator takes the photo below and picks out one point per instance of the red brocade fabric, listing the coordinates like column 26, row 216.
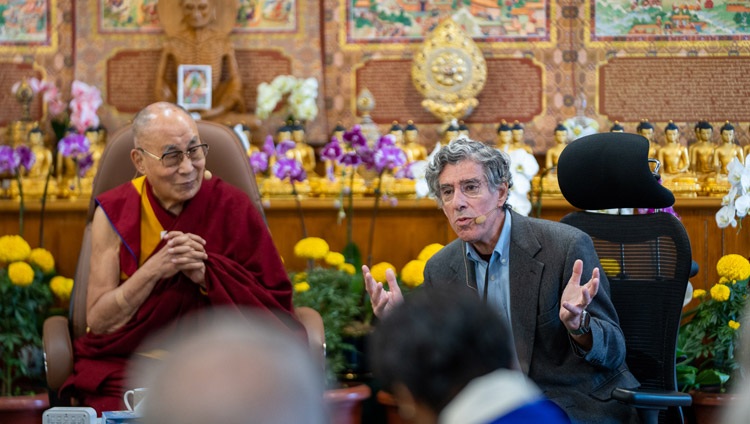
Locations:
column 243, row 269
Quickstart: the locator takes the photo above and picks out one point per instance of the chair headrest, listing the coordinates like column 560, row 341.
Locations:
column 608, row 171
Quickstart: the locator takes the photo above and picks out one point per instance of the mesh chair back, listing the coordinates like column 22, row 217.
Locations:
column 647, row 260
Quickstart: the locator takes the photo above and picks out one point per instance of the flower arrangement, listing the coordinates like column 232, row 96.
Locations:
column 709, row 340
column 737, row 202
column 11, row 161
column 523, row 167
column 580, row 126
column 335, row 288
column 301, row 95
column 27, row 285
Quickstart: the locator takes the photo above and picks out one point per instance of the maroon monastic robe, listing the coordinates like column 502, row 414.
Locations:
column 243, row 269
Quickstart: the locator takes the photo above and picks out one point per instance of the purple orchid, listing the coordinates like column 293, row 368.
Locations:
column 73, row 145
column 351, row 159
column 405, row 171
column 386, row 140
column 366, row 155
column 259, row 162
column 26, row 156
column 268, row 146
column 389, row 157
column 333, row 150
column 84, row 163
column 284, row 147
column 9, row 160
column 354, row 137
column 289, row 168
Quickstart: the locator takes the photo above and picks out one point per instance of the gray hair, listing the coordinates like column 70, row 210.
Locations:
column 145, row 117
column 496, row 164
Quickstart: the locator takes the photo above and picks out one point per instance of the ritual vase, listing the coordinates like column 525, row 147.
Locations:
column 23, row 409
column 345, row 403
column 708, row 407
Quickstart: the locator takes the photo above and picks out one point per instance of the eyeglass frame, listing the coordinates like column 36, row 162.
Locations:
column 183, row 154
column 478, row 181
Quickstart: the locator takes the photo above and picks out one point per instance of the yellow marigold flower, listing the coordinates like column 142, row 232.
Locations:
column 412, row 274
column 724, row 280
column 20, row 273
column 610, row 266
column 301, row 287
column 334, row 258
column 300, row 277
column 428, row 251
column 43, row 259
column 378, row 270
column 697, row 293
column 61, row 286
column 347, row 268
column 13, row 249
column 720, row 292
column 733, row 267
column 311, row 248
column 734, row 325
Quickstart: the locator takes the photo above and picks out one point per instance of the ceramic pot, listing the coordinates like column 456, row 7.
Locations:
column 23, row 409
column 708, row 407
column 345, row 403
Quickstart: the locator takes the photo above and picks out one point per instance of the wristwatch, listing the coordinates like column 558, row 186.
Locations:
column 584, row 328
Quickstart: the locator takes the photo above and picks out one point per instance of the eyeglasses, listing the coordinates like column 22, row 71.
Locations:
column 174, row 158
column 469, row 188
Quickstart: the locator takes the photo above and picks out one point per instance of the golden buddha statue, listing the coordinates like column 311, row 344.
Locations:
column 517, row 139
column 746, row 149
column 702, row 151
column 616, row 127
column 550, row 187
column 723, row 155
column 504, row 138
column 646, row 130
column 411, row 146
column 463, row 129
column 302, row 151
column 198, row 34
column 36, row 177
column 675, row 162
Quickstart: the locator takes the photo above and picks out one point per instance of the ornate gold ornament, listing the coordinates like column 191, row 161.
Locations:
column 449, row 72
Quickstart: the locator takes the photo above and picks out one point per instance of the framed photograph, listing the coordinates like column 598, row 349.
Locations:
column 194, row 87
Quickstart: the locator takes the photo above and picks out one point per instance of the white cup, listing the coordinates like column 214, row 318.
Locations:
column 134, row 399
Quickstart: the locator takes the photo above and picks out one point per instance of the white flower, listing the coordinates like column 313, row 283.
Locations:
column 580, row 126
column 301, row 97
column 519, row 202
column 523, row 163
column 734, row 170
column 741, row 205
column 268, row 98
column 725, row 217
column 284, row 83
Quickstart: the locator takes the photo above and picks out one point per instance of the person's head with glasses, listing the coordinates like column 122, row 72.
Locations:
column 169, row 152
column 471, row 182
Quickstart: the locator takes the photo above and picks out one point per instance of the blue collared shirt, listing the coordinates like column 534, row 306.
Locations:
column 498, row 290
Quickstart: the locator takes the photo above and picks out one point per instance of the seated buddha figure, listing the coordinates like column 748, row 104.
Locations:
column 517, row 139
column 338, row 176
column 97, row 141
column 723, row 155
column 616, row 127
column 463, row 129
column 646, row 130
column 504, row 138
column 702, row 151
column 302, row 151
column 549, row 185
column 412, row 147
column 198, row 34
column 675, row 162
column 271, row 185
column 36, row 177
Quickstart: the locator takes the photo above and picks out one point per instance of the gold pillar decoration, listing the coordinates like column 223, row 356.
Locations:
column 449, row 71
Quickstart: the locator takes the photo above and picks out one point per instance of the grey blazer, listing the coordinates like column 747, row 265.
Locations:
column 542, row 254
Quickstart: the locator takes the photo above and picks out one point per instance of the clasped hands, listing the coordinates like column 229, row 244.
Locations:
column 575, row 297
column 183, row 252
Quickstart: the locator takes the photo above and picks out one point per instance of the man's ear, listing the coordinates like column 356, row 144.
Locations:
column 137, row 159
column 503, row 191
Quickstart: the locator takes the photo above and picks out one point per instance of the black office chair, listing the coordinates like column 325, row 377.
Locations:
column 647, row 259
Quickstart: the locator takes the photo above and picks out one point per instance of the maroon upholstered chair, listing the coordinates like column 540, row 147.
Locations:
column 227, row 160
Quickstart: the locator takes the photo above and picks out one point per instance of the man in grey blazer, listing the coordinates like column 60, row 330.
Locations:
column 566, row 334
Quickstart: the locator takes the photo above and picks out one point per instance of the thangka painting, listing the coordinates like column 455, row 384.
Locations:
column 398, row 21
column 667, row 20
column 24, row 22
column 128, row 16
column 267, row 16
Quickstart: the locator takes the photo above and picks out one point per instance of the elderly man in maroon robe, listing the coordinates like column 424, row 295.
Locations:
column 165, row 245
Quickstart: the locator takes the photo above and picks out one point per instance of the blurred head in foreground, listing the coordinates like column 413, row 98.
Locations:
column 233, row 371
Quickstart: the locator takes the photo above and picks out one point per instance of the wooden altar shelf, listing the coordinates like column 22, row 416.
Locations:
column 401, row 230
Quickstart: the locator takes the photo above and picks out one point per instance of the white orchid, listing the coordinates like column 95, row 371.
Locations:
column 725, row 217
column 736, row 204
column 523, row 163
column 301, row 97
column 523, row 167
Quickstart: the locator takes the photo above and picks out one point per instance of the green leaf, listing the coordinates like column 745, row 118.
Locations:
column 711, row 377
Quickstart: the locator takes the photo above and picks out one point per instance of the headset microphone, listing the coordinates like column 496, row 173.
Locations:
column 482, row 218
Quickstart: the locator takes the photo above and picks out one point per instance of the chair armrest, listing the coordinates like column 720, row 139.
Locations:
column 316, row 337
column 58, row 351
column 656, row 399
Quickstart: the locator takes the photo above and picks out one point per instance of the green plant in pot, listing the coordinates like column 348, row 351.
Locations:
column 27, row 284
column 709, row 339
